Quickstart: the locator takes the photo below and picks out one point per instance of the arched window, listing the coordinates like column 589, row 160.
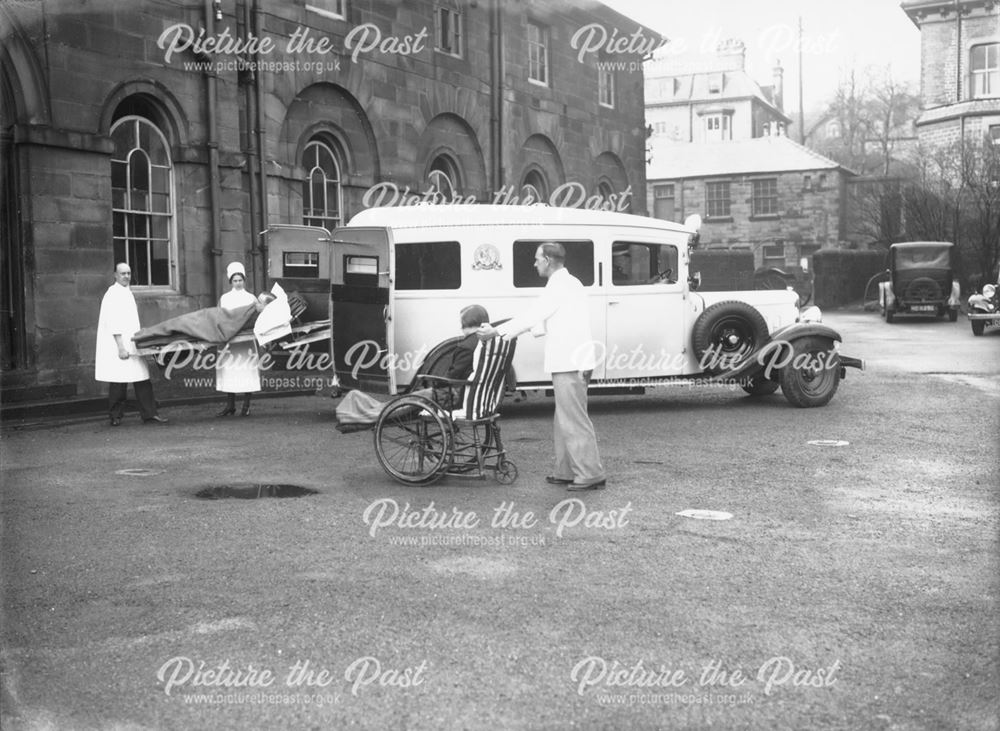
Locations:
column 443, row 178
column 322, row 203
column 534, row 189
column 142, row 202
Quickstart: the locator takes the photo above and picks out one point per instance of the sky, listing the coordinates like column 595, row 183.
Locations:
column 837, row 35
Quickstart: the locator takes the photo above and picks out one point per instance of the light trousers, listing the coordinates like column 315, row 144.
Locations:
column 575, row 440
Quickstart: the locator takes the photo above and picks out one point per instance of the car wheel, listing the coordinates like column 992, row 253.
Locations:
column 726, row 333
column 759, row 386
column 978, row 326
column 811, row 377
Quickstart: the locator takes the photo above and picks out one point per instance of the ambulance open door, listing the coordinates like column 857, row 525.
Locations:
column 361, row 306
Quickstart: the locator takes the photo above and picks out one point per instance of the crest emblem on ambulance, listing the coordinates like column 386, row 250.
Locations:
column 486, row 256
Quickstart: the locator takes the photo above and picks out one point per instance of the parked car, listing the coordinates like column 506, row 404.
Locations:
column 984, row 308
column 799, row 279
column 921, row 281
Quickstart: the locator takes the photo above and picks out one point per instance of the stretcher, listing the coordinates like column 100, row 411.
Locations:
column 295, row 337
column 213, row 327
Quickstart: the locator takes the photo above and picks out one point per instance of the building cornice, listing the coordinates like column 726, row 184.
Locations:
column 921, row 11
column 968, row 108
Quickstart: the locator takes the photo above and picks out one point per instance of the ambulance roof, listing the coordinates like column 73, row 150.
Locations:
column 428, row 215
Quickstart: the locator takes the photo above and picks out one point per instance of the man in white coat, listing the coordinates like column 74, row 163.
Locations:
column 562, row 315
column 115, row 360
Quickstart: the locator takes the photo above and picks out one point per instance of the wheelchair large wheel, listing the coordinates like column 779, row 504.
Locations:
column 413, row 440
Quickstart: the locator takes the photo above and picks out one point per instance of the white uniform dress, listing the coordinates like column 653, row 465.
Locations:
column 119, row 316
column 236, row 370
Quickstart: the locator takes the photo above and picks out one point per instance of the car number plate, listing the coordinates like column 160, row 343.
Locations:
column 923, row 308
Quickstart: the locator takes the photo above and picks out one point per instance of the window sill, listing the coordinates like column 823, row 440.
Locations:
column 766, row 217
column 536, row 82
column 718, row 219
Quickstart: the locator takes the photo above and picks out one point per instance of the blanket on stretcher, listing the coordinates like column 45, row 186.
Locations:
column 211, row 324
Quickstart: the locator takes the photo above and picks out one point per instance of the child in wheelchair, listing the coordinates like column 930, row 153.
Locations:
column 358, row 411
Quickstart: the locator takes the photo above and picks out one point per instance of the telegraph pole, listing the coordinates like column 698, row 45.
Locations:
column 802, row 116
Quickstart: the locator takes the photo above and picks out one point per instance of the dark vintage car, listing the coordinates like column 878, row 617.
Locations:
column 984, row 308
column 921, row 281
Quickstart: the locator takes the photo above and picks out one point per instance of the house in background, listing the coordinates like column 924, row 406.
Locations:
column 712, row 99
column 719, row 148
column 770, row 194
column 960, row 69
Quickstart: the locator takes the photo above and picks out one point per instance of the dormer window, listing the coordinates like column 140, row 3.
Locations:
column 715, row 83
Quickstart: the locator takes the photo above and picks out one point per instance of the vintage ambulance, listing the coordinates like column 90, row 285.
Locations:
column 400, row 276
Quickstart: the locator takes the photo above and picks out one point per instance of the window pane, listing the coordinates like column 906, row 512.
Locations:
column 160, row 179
column 160, row 262
column 138, row 225
column 431, row 265
column 664, row 208
column 303, row 264
column 118, row 225
column 138, row 170
column 641, row 264
column 124, row 138
column 161, row 203
column 138, row 259
column 579, row 262
column 317, row 196
column 157, row 151
column 161, row 227
column 119, row 174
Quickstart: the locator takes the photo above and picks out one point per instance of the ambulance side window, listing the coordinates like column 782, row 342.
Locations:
column 579, row 261
column 430, row 265
column 635, row 264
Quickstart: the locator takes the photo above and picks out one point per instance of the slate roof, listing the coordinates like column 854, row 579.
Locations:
column 674, row 160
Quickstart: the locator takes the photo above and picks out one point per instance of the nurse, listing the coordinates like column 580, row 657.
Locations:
column 115, row 359
column 236, row 369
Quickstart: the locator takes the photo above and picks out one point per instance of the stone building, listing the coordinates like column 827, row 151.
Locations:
column 174, row 134
column 770, row 195
column 712, row 98
column 960, row 69
column 719, row 148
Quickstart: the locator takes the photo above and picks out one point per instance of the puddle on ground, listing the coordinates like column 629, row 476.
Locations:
column 253, row 492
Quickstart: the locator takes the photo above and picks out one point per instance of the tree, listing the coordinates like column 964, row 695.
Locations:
column 956, row 197
column 873, row 119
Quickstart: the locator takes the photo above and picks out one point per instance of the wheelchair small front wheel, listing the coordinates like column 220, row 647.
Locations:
column 506, row 472
column 413, row 440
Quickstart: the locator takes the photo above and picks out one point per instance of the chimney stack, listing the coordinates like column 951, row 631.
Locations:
column 779, row 86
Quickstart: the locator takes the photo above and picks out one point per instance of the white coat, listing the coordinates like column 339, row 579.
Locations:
column 236, row 370
column 562, row 314
column 119, row 316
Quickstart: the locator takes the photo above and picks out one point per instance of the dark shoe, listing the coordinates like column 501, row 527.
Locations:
column 245, row 411
column 155, row 420
column 227, row 411
column 579, row 486
column 116, row 421
column 553, row 480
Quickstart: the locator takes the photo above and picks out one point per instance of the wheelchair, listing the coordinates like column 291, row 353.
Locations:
column 418, row 442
